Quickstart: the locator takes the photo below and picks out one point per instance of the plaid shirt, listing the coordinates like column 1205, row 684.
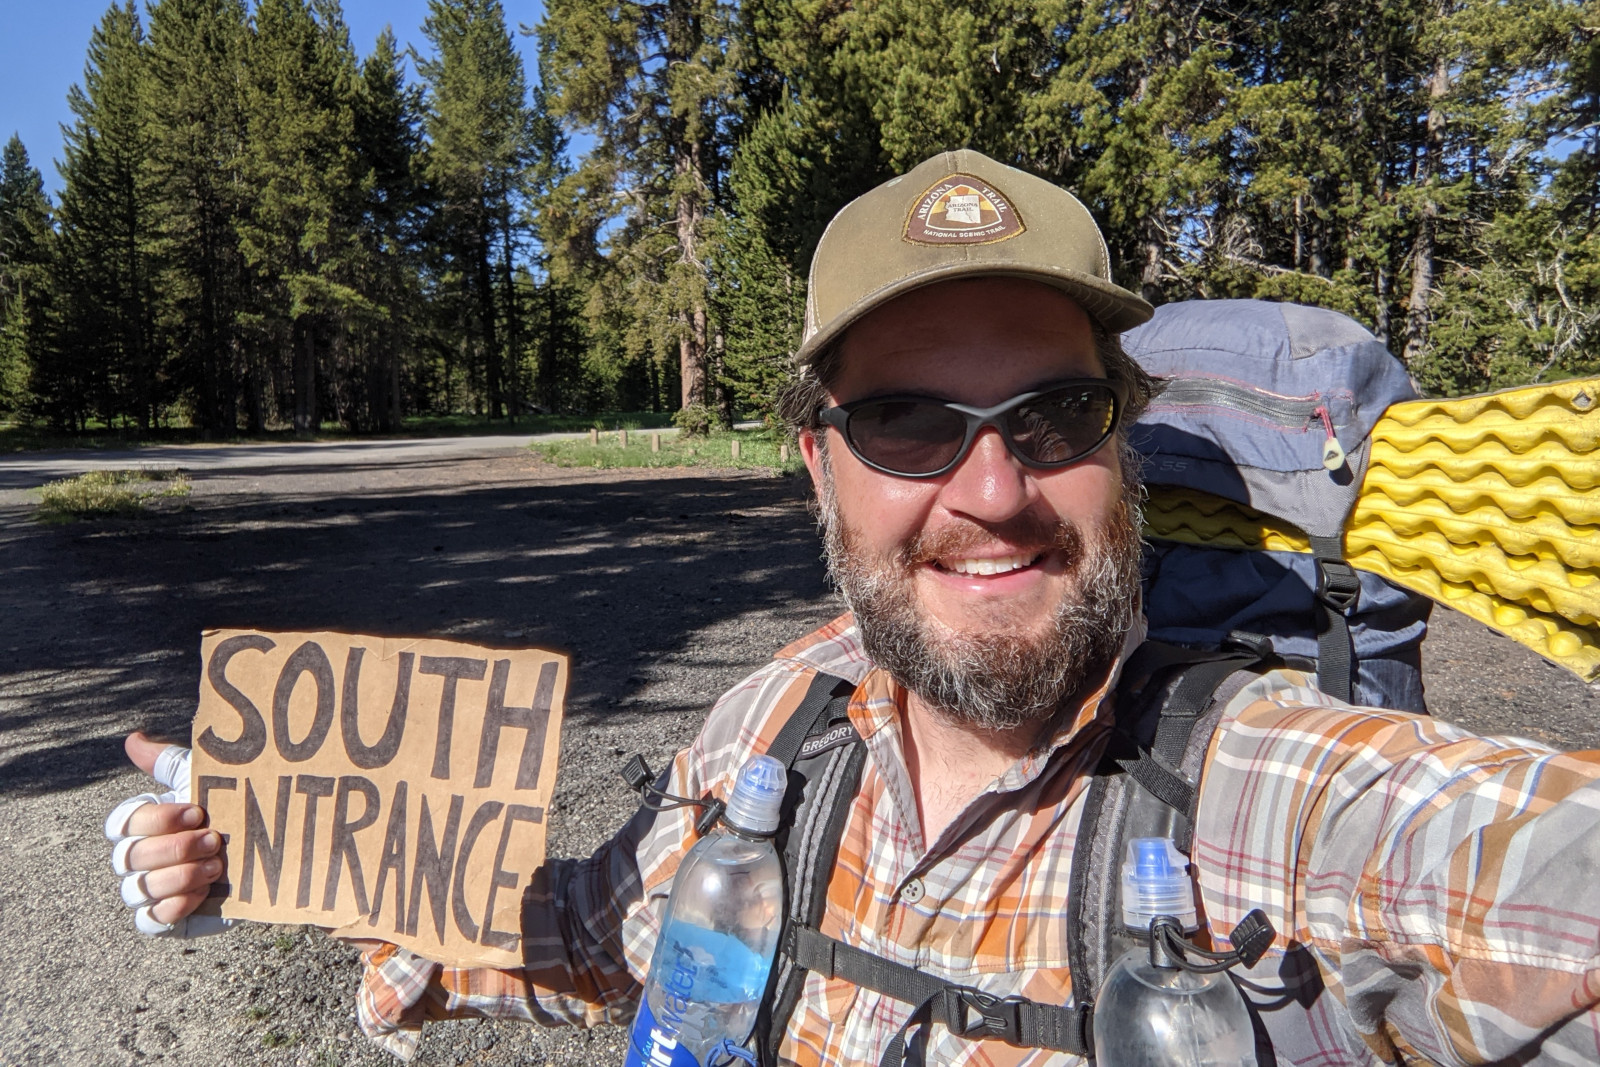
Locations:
column 1435, row 893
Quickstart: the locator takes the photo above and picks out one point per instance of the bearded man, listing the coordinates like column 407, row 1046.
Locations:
column 961, row 404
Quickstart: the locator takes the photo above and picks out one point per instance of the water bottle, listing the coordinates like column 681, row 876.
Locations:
column 719, row 935
column 1156, row 1009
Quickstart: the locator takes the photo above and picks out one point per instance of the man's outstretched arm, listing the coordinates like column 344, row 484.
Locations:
column 1443, row 883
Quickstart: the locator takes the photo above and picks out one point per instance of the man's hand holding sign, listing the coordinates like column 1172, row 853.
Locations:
column 384, row 788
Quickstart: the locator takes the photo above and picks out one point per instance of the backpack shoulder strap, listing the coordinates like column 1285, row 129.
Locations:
column 1168, row 703
column 1166, row 690
column 824, row 755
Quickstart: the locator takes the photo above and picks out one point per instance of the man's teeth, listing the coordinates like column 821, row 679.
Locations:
column 997, row 565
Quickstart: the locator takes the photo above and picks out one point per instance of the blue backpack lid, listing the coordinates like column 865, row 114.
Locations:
column 1253, row 389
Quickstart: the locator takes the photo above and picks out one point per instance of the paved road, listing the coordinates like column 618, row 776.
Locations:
column 28, row 469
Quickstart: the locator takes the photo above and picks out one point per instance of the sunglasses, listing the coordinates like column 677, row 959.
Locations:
column 922, row 437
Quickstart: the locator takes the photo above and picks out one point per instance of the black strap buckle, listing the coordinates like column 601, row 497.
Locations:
column 1338, row 584
column 972, row 1012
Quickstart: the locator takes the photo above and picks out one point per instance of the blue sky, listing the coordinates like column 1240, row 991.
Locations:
column 43, row 44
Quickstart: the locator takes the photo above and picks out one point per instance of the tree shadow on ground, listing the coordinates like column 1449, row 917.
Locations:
column 103, row 620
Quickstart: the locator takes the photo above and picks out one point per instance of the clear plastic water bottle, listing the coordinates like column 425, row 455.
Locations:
column 719, row 935
column 1151, row 1010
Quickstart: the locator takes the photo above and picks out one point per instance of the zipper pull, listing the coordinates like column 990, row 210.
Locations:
column 1332, row 453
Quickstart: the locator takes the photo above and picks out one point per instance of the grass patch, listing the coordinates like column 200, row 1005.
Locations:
column 277, row 1039
column 255, row 1013
column 109, row 494
column 473, row 425
column 757, row 449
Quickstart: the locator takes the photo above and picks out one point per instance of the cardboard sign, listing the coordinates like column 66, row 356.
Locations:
column 390, row 789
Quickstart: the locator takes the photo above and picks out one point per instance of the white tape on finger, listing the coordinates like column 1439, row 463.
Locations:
column 148, row 924
column 134, row 892
column 117, row 821
column 172, row 771
column 119, row 856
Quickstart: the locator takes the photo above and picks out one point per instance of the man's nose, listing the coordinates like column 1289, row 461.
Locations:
column 989, row 484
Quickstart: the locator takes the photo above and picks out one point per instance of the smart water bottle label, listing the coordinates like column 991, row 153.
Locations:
column 654, row 1042
column 655, row 1038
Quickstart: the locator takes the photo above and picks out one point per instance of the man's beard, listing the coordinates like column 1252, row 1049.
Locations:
column 995, row 679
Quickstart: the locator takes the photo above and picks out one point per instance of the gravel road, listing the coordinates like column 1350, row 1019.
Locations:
column 667, row 586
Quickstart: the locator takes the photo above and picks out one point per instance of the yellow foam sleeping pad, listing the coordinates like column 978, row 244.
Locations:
column 1487, row 504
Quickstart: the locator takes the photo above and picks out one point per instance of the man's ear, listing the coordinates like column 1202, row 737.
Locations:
column 811, row 452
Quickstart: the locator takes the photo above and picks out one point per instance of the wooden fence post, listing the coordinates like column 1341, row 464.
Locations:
column 655, row 442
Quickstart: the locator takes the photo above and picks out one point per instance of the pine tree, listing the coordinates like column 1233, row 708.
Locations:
column 25, row 248
column 653, row 83
column 299, row 165
column 194, row 104
column 388, row 139
column 478, row 125
column 104, row 270
column 760, row 304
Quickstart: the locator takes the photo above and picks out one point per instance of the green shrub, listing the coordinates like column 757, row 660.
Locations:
column 695, row 420
column 108, row 494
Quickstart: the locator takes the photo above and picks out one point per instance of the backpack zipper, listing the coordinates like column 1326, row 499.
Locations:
column 1290, row 412
column 1295, row 413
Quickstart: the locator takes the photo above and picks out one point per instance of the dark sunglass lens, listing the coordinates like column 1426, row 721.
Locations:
column 1063, row 424
column 907, row 436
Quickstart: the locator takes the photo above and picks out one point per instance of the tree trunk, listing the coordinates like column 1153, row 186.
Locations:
column 1422, row 254
column 1152, row 242
column 513, row 319
column 305, row 377
column 687, row 166
column 1299, row 234
column 1316, row 245
column 486, row 315
column 391, row 406
column 255, row 416
column 724, row 394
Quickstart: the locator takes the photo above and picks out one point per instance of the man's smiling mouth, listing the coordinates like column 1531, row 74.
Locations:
column 990, row 565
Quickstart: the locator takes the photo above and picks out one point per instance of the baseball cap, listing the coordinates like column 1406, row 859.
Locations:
column 959, row 215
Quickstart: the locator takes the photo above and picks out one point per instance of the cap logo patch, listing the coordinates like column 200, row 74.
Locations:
column 962, row 210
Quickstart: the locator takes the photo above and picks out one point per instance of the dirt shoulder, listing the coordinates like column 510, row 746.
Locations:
column 667, row 585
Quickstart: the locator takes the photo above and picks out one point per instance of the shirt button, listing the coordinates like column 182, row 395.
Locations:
column 912, row 891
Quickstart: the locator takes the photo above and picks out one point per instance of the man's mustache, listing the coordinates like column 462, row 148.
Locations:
column 1027, row 532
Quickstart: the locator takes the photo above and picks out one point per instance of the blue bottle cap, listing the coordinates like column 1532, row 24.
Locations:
column 757, row 796
column 1155, row 881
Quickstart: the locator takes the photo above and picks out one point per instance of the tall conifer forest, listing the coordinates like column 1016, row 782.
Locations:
column 262, row 227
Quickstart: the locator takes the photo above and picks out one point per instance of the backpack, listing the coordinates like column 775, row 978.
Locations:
column 1254, row 454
